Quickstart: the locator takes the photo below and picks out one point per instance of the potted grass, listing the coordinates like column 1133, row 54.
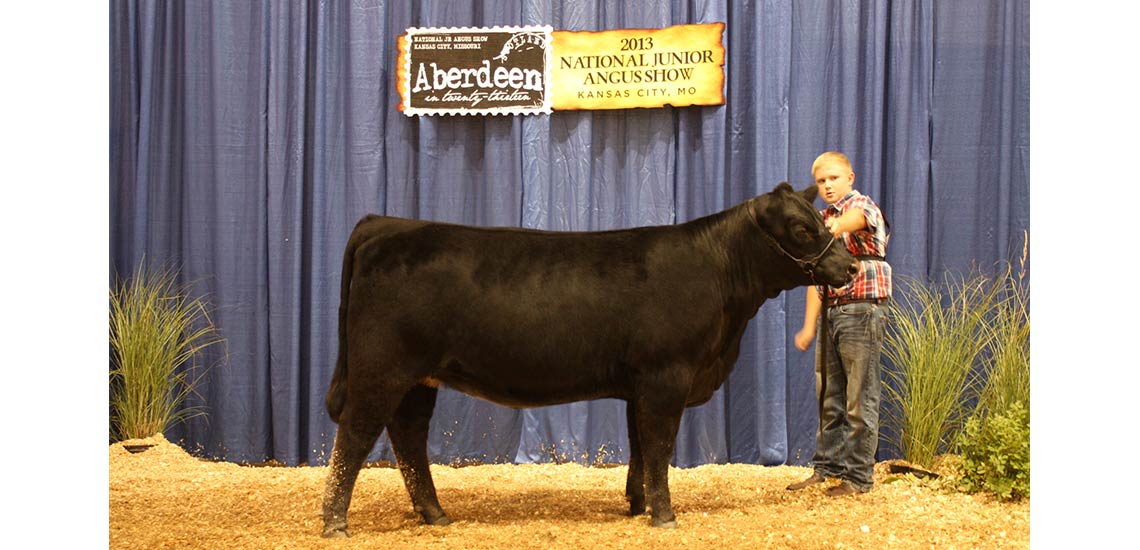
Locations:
column 157, row 333
column 995, row 446
column 957, row 355
column 1007, row 368
column 937, row 336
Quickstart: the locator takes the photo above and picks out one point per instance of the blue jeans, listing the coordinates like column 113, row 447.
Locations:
column 847, row 385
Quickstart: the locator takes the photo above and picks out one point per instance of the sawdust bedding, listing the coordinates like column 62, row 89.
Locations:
column 166, row 498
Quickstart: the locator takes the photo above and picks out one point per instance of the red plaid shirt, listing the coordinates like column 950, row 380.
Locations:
column 874, row 277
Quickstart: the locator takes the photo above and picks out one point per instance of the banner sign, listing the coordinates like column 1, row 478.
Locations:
column 680, row 66
column 500, row 70
column 528, row 70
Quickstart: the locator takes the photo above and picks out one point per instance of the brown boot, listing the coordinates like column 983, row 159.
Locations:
column 844, row 489
column 815, row 478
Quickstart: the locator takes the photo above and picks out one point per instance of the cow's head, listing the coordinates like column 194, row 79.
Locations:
column 795, row 230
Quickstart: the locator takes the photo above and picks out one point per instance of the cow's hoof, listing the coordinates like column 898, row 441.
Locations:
column 439, row 521
column 671, row 524
column 335, row 533
column 636, row 508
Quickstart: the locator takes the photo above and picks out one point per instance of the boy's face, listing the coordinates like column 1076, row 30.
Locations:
column 834, row 181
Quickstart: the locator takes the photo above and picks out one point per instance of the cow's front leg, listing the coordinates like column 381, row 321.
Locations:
column 635, row 478
column 349, row 452
column 408, row 431
column 658, row 419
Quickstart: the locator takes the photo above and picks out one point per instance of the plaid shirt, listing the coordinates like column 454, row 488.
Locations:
column 874, row 277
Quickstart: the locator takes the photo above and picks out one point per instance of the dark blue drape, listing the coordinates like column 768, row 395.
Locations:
column 248, row 137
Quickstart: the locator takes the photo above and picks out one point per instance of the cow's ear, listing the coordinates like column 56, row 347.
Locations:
column 784, row 187
column 810, row 194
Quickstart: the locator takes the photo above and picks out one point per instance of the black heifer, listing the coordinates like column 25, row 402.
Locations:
column 650, row 315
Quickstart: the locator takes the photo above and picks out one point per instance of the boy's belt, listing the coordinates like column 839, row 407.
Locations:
column 832, row 302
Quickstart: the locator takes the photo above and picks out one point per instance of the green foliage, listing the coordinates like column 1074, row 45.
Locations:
column 937, row 334
column 955, row 349
column 996, row 451
column 1007, row 372
column 157, row 332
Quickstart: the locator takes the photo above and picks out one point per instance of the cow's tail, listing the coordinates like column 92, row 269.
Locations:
column 338, row 388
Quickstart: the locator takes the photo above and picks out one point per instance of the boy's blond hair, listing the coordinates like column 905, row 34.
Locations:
column 830, row 157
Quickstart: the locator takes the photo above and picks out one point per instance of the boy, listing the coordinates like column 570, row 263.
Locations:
column 847, row 359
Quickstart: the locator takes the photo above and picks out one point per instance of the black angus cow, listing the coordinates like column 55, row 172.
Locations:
column 650, row 315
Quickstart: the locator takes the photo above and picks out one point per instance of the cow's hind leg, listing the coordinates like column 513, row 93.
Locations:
column 349, row 452
column 635, row 478
column 408, row 431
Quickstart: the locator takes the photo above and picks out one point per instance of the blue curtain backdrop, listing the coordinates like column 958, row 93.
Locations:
column 247, row 138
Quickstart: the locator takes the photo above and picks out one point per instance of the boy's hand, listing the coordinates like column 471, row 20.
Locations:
column 803, row 338
column 833, row 227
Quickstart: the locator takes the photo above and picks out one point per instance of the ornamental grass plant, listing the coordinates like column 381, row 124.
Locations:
column 956, row 350
column 996, row 442
column 157, row 333
column 937, row 333
column 1007, row 367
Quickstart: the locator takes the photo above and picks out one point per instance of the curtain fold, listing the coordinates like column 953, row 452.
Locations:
column 247, row 138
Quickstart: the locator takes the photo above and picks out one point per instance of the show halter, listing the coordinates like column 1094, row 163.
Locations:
column 806, row 265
